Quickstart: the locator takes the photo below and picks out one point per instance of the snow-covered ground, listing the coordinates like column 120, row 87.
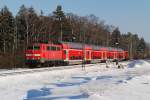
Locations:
column 94, row 83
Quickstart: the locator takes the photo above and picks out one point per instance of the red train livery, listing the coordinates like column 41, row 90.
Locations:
column 70, row 53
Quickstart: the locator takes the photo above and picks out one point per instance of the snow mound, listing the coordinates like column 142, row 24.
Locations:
column 138, row 64
column 97, row 97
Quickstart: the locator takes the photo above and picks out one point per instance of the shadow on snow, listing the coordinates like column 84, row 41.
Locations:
column 45, row 93
column 134, row 63
column 79, row 96
column 33, row 93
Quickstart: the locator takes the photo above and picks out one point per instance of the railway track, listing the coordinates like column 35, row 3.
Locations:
column 28, row 71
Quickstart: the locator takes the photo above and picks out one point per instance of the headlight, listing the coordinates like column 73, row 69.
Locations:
column 37, row 55
column 28, row 54
column 33, row 55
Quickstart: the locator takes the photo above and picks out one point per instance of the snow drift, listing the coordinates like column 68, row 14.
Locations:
column 138, row 64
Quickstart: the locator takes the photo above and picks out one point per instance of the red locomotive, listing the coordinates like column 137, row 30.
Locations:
column 70, row 53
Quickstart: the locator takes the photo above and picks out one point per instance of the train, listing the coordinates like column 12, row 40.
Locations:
column 66, row 53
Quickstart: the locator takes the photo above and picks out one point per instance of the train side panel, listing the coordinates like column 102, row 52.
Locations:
column 72, row 53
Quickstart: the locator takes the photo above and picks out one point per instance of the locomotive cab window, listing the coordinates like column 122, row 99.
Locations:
column 33, row 48
column 36, row 47
column 52, row 48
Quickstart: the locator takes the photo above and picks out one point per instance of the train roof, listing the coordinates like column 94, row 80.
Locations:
column 74, row 45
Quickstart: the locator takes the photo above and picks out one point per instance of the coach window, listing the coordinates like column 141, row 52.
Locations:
column 58, row 48
column 53, row 48
column 48, row 48
column 72, row 57
column 87, row 52
column 65, row 52
column 80, row 57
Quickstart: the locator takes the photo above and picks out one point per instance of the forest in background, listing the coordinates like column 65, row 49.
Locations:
column 28, row 26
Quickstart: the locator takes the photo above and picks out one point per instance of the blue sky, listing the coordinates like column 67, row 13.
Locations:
column 129, row 15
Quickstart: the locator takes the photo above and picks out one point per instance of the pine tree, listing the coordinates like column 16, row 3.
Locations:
column 62, row 28
column 27, row 23
column 141, row 46
column 21, row 27
column 6, row 30
column 115, row 38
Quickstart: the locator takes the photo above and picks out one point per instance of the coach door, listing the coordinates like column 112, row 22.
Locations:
column 123, row 55
column 104, row 55
column 67, row 55
column 88, row 55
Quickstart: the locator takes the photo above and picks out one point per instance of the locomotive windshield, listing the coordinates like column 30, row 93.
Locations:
column 33, row 48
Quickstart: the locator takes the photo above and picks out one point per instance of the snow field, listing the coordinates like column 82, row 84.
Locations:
column 94, row 83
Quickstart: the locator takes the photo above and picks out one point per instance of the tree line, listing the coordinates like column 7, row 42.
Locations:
column 28, row 26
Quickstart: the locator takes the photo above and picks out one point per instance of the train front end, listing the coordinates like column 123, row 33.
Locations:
column 33, row 55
